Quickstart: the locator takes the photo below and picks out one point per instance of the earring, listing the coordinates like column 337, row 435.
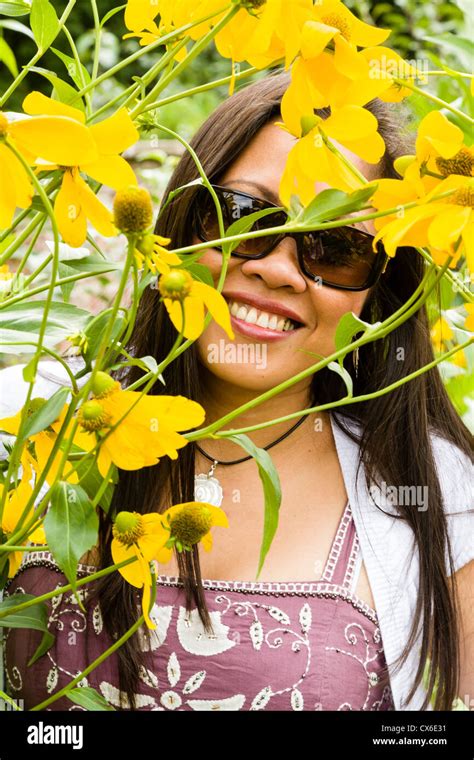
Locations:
column 355, row 360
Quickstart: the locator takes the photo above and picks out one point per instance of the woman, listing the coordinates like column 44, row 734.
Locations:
column 356, row 593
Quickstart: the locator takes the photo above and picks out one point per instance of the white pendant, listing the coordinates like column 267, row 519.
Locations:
column 207, row 488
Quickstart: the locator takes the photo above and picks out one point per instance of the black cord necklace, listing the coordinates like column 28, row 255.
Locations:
column 207, row 487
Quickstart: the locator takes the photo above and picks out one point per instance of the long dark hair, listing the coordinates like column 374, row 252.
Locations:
column 395, row 444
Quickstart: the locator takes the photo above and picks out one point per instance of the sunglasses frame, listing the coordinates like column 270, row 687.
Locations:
column 380, row 257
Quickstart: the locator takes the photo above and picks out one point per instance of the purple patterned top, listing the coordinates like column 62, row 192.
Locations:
column 276, row 645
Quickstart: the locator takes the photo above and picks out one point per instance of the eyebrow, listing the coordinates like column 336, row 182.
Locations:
column 262, row 189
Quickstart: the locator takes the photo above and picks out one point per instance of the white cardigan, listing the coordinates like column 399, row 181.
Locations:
column 387, row 544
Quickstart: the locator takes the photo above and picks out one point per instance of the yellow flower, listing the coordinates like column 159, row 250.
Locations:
column 150, row 252
column 148, row 432
column 187, row 524
column 140, row 536
column 15, row 504
column 459, row 359
column 75, row 202
column 54, row 138
column 332, row 21
column 44, row 441
column 469, row 324
column 140, row 18
column 446, row 225
column 441, row 333
column 181, row 292
column 7, row 278
column 310, row 160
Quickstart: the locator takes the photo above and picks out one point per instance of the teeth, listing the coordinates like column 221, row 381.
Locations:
column 242, row 312
column 251, row 317
column 272, row 322
column 254, row 316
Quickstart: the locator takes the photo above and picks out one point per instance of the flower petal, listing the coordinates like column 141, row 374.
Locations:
column 114, row 134
column 133, row 572
column 216, row 304
column 98, row 214
column 112, row 171
column 36, row 103
column 58, row 139
column 68, row 212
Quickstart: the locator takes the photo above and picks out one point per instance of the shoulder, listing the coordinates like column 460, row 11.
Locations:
column 455, row 471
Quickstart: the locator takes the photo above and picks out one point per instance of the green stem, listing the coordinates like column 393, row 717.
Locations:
column 8, row 252
column 347, row 163
column 434, row 99
column 62, row 692
column 14, row 459
column 196, row 49
column 167, row 38
column 28, row 252
column 197, row 90
column 97, row 39
column 8, row 699
column 130, row 93
column 48, row 351
column 348, row 399
column 62, row 589
column 80, row 72
column 61, row 281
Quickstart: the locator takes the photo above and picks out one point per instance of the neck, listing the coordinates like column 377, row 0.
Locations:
column 219, row 397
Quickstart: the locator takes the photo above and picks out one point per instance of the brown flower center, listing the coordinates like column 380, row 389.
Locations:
column 461, row 163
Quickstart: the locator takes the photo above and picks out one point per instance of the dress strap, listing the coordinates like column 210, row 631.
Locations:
column 343, row 556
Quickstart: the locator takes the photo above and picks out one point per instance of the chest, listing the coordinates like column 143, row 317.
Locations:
column 313, row 502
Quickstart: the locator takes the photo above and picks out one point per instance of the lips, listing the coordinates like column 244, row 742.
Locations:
column 263, row 306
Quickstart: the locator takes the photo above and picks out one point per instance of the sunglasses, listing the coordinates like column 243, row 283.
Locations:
column 342, row 257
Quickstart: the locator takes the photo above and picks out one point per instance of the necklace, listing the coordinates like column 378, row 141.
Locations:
column 207, row 487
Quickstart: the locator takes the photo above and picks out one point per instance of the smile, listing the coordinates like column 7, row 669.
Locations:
column 259, row 320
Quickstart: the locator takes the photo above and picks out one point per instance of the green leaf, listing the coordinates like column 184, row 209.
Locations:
column 35, row 617
column 71, row 526
column 89, row 698
column 80, row 76
column 91, row 481
column 271, row 491
column 71, row 267
column 330, row 204
column 340, row 370
column 8, row 57
column 112, row 13
column 44, row 23
column 95, row 332
column 15, row 8
column 46, row 414
column 63, row 91
column 348, row 326
column 200, row 272
column 63, row 319
column 243, row 225
column 17, row 26
column 461, row 47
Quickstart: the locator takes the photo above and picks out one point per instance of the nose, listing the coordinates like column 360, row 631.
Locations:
column 279, row 268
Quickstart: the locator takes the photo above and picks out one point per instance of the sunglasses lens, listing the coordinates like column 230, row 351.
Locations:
column 236, row 206
column 342, row 256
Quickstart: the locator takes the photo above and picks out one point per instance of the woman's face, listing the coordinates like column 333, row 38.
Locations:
column 259, row 358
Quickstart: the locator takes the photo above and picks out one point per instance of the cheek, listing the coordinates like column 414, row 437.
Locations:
column 330, row 304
